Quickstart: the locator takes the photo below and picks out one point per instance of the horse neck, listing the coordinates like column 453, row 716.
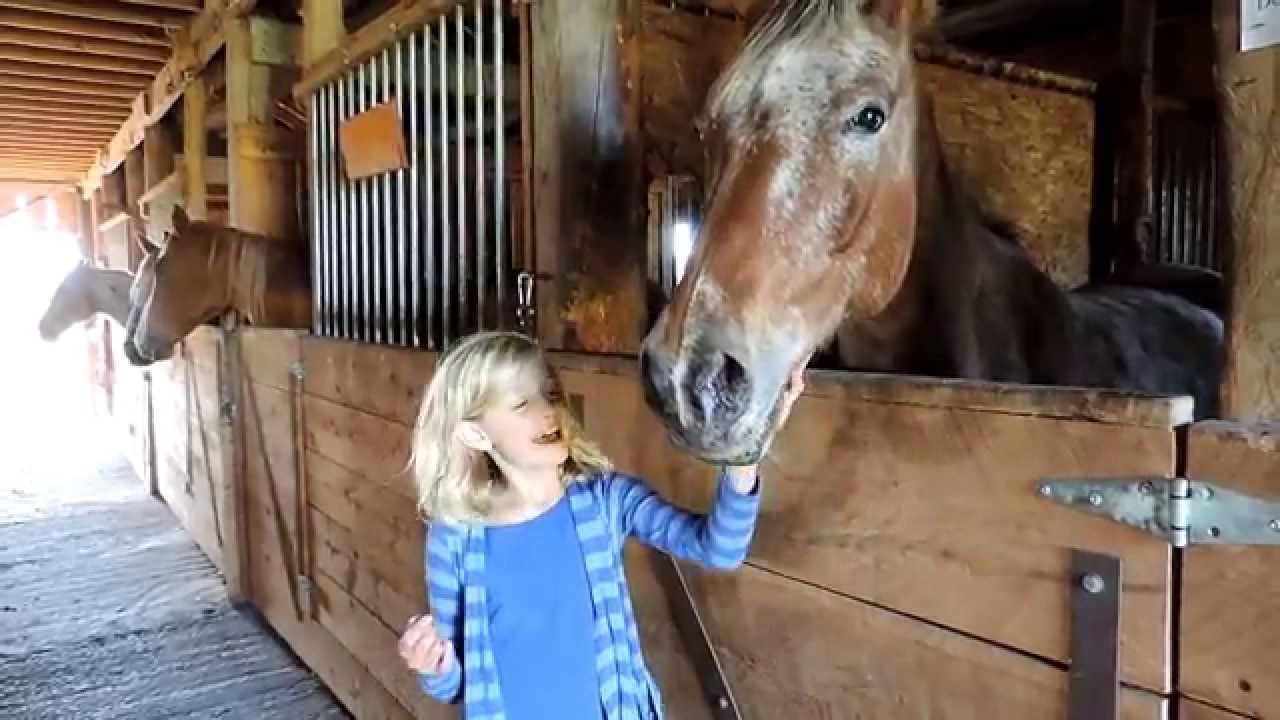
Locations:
column 247, row 268
column 109, row 291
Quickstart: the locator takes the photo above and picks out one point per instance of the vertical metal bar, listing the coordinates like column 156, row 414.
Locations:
column 465, row 322
column 367, row 319
column 1215, row 247
column 415, row 168
column 402, row 209
column 428, row 275
column 500, row 167
column 331, row 173
column 313, row 170
column 349, row 241
column 482, row 241
column 320, row 231
column 1095, row 630
column 446, row 235
column 373, row 279
column 385, row 278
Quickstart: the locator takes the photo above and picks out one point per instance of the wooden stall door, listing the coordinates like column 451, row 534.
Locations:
column 1230, row 624
column 904, row 565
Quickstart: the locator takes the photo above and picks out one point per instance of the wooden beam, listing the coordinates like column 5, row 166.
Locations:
column 190, row 6
column 89, row 112
column 108, row 106
column 405, row 17
column 157, row 155
column 67, row 25
column 195, row 148
column 1135, row 138
column 50, row 118
column 98, row 94
column 78, row 75
column 1248, row 86
column 323, row 29
column 193, row 49
column 36, row 175
column 62, row 58
column 95, row 10
column 78, row 44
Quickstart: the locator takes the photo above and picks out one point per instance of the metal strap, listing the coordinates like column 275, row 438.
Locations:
column 1095, row 636
column 693, row 634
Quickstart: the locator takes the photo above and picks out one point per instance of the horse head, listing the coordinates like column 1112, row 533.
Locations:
column 810, row 215
column 72, row 302
column 141, row 292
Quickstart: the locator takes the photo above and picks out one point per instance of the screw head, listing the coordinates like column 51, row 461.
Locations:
column 1146, row 488
column 1275, row 525
column 1045, row 490
column 723, row 702
column 1095, row 499
column 1093, row 583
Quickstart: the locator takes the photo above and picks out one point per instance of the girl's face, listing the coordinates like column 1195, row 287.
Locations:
column 524, row 430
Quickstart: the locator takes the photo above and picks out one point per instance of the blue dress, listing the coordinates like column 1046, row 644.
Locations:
column 541, row 619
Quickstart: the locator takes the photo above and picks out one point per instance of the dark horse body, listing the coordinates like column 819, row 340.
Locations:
column 832, row 212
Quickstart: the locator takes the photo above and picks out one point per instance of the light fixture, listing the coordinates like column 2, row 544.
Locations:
column 674, row 217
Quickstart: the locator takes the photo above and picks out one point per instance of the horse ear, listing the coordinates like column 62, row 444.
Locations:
column 180, row 220
column 911, row 16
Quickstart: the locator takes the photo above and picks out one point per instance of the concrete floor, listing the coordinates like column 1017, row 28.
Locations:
column 108, row 609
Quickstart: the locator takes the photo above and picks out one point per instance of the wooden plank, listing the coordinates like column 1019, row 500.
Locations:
column 401, row 19
column 1192, row 710
column 270, row 353
column 105, row 107
column 1111, row 407
column 386, row 535
column 78, row 59
column 195, row 148
column 157, row 155
column 1248, row 86
column 841, row 658
column 349, row 562
column 94, row 78
column 1230, row 640
column 384, row 381
column 83, row 27
column 345, row 674
column 377, row 449
column 887, row 502
column 107, row 95
column 105, row 12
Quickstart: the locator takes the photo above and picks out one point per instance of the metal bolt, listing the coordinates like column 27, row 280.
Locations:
column 1205, row 492
column 723, row 702
column 1095, row 499
column 1146, row 488
column 1093, row 583
column 1045, row 490
column 1275, row 525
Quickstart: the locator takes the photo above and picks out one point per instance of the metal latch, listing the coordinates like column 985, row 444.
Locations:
column 1179, row 510
column 525, row 309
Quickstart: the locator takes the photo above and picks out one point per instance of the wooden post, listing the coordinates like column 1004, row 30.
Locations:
column 323, row 28
column 1134, row 126
column 195, row 148
column 135, row 179
column 1248, row 98
column 260, row 160
column 157, row 154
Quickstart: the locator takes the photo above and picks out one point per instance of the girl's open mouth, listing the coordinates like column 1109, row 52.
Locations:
column 548, row 438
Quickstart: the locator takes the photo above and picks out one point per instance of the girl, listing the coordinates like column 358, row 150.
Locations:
column 531, row 615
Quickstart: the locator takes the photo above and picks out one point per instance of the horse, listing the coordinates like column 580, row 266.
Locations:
column 84, row 292
column 830, row 212
column 205, row 270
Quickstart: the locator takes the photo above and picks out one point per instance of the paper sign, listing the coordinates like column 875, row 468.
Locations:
column 373, row 142
column 1259, row 24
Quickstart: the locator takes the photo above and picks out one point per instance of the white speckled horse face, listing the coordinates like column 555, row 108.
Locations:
column 810, row 215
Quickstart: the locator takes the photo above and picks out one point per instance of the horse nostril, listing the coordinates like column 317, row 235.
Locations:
column 717, row 383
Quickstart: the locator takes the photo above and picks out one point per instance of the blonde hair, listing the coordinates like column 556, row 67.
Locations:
column 457, row 483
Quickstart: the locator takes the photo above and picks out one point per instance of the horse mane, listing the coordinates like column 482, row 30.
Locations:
column 782, row 23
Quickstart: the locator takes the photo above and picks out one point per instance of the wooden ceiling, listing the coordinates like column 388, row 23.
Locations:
column 69, row 72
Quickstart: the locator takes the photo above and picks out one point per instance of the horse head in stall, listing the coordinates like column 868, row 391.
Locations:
column 84, row 292
column 144, row 280
column 205, row 270
column 830, row 212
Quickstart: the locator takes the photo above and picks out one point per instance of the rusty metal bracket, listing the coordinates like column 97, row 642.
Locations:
column 696, row 640
column 1095, row 636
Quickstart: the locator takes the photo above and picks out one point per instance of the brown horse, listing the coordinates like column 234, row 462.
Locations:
column 205, row 270
column 86, row 291
column 830, row 211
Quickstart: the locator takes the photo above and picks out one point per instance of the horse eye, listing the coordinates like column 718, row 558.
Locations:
column 867, row 121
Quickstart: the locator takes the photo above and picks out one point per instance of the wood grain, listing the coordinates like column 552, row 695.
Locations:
column 1249, row 100
column 888, row 503
column 1230, row 637
column 1192, row 710
column 383, row 381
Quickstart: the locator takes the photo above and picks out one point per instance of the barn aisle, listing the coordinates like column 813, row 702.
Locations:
column 107, row 608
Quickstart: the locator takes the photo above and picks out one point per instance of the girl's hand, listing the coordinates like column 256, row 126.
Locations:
column 423, row 649
column 744, row 476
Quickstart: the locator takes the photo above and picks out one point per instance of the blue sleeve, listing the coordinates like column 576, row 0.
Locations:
column 444, row 590
column 717, row 540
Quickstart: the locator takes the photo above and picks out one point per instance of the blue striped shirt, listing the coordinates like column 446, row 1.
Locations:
column 607, row 509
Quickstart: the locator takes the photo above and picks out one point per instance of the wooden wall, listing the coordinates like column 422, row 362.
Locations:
column 633, row 99
column 914, row 580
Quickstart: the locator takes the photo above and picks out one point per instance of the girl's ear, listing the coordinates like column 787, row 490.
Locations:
column 470, row 435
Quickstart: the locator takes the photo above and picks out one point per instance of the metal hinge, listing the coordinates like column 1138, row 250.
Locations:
column 1178, row 510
